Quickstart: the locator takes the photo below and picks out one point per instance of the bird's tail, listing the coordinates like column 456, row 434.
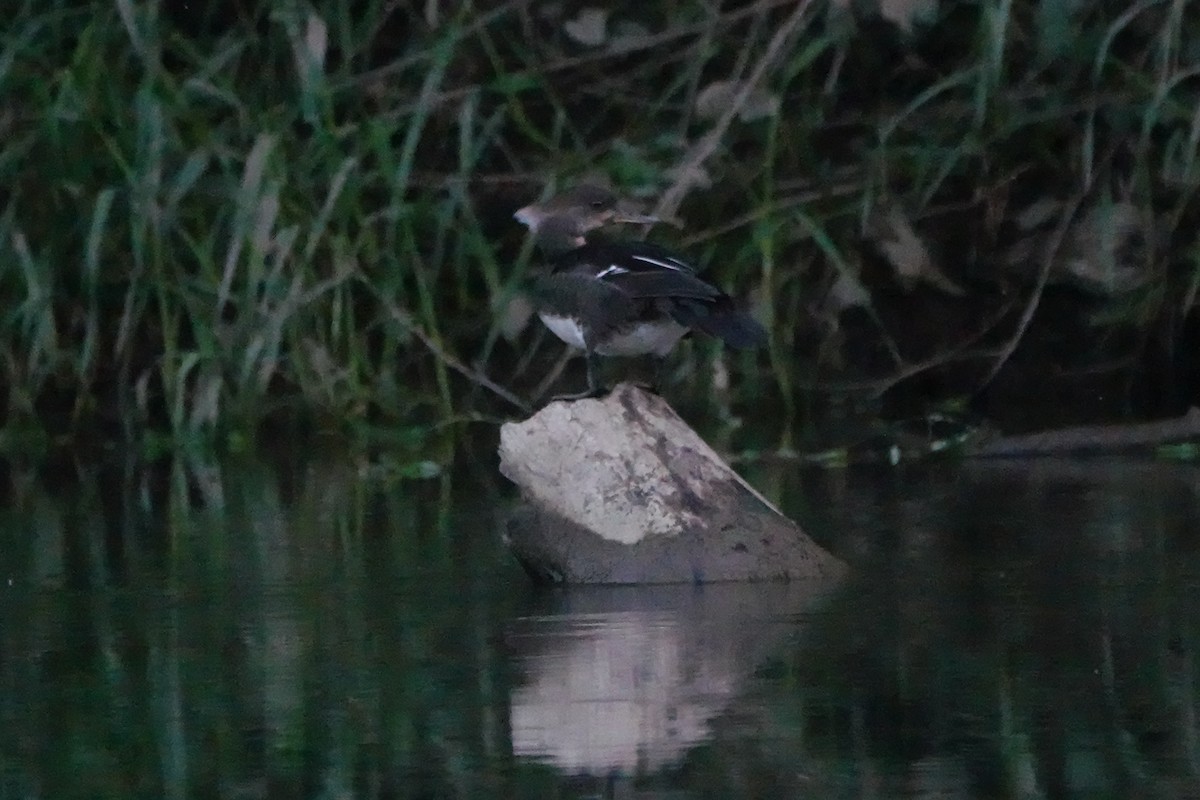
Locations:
column 723, row 320
column 735, row 328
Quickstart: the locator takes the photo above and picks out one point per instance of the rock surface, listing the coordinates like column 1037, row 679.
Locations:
column 621, row 490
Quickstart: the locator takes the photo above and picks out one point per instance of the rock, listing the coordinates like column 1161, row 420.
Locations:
column 621, row 490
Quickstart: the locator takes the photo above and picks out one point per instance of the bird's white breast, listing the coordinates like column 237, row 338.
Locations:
column 644, row 338
column 566, row 329
column 641, row 339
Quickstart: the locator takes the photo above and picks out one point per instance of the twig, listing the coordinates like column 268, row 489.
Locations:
column 554, row 373
column 703, row 149
column 399, row 65
column 957, row 353
column 405, row 320
column 1049, row 254
column 874, row 387
column 654, row 42
column 767, row 208
column 877, row 386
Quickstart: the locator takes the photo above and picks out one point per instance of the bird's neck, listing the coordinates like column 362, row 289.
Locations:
column 557, row 235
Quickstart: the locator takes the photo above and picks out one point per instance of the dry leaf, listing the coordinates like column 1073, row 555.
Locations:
column 697, row 176
column 899, row 243
column 1038, row 213
column 628, row 35
column 1102, row 249
column 513, row 317
column 550, row 12
column 847, row 292
column 1021, row 257
column 1102, row 252
column 316, row 41
column 713, row 101
column 759, row 105
column 590, row 27
column 902, row 247
column 903, row 13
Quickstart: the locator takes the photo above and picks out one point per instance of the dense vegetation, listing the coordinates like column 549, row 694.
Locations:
column 216, row 215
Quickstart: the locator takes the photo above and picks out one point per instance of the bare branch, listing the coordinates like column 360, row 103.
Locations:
column 405, row 320
column 1049, row 255
column 703, row 149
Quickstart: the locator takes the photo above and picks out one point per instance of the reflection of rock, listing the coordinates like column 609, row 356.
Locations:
column 621, row 490
column 628, row 678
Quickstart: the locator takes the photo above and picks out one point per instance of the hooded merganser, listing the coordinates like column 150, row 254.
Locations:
column 621, row 298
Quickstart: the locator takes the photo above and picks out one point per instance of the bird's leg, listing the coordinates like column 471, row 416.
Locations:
column 594, row 388
column 657, row 373
column 660, row 372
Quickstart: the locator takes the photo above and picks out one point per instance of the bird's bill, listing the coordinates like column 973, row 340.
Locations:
column 634, row 218
column 535, row 214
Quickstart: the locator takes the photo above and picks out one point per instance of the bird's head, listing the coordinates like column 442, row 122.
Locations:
column 579, row 210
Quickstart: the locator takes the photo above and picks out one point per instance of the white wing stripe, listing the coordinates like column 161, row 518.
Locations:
column 678, row 266
column 611, row 270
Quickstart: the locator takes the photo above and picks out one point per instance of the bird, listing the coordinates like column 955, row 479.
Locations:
column 621, row 297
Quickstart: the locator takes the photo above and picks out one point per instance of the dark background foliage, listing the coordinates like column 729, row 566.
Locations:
column 219, row 215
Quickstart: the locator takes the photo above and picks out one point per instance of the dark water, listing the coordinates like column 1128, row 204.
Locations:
column 1012, row 629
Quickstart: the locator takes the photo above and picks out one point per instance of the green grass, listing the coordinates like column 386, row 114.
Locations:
column 217, row 218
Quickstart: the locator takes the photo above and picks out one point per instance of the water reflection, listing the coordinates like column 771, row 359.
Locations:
column 1011, row 629
column 1027, row 627
column 627, row 679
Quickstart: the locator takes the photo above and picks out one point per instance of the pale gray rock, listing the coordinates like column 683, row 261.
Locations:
column 621, row 490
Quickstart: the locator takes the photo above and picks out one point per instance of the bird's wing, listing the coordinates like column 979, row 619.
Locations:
column 637, row 269
column 647, row 285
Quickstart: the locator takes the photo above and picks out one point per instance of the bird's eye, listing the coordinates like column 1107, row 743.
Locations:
column 599, row 204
